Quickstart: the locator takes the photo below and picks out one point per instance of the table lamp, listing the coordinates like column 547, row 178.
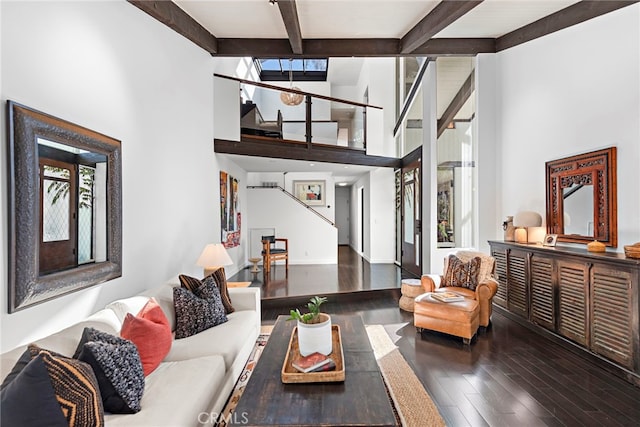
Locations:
column 213, row 257
column 522, row 221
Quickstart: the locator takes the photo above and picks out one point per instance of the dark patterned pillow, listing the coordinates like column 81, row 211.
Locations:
column 21, row 363
column 219, row 279
column 462, row 274
column 51, row 389
column 195, row 314
column 116, row 363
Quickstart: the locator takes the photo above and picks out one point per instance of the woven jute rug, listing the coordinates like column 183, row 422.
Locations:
column 412, row 403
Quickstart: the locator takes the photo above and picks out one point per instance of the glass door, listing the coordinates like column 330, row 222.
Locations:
column 411, row 219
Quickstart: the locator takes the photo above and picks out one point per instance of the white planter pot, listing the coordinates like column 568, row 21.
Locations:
column 315, row 337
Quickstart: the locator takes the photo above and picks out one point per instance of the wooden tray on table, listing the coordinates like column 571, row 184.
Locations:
column 289, row 374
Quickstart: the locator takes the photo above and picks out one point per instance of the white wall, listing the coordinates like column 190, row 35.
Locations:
column 378, row 75
column 311, row 239
column 357, row 219
column 382, row 220
column 379, row 216
column 112, row 68
column 573, row 91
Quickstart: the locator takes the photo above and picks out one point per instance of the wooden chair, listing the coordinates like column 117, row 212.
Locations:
column 272, row 253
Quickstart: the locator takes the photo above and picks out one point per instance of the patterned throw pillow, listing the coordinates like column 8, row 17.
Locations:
column 462, row 274
column 195, row 314
column 149, row 330
column 51, row 389
column 218, row 278
column 116, row 363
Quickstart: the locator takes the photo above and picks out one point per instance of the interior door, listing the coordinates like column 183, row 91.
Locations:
column 58, row 219
column 342, row 215
column 411, row 219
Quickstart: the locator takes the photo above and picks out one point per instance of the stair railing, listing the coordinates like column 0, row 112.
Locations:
column 309, row 208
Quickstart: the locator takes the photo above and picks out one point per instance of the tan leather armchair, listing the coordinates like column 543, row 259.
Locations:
column 486, row 289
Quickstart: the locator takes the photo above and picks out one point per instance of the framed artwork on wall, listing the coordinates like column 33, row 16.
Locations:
column 311, row 193
column 550, row 240
column 230, row 216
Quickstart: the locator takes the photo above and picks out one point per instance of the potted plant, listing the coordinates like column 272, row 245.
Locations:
column 314, row 328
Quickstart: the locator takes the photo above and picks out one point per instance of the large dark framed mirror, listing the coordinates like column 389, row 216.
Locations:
column 581, row 197
column 65, row 207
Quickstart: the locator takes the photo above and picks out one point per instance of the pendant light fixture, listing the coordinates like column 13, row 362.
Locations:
column 289, row 98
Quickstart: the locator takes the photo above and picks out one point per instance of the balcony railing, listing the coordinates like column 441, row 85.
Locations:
column 315, row 119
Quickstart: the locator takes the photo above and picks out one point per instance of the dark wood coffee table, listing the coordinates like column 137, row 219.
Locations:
column 360, row 400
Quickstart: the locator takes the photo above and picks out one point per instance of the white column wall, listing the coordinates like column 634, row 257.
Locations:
column 488, row 154
column 431, row 256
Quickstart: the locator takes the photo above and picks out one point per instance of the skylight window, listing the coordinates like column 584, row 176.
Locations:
column 277, row 69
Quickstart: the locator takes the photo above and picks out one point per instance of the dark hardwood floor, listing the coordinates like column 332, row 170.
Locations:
column 508, row 376
column 351, row 274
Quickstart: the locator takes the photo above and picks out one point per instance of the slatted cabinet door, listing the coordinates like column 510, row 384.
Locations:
column 517, row 283
column 594, row 297
column 573, row 285
column 542, row 309
column 612, row 310
column 500, row 256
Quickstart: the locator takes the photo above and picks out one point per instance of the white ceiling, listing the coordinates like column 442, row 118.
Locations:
column 333, row 19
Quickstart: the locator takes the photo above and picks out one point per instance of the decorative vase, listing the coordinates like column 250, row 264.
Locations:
column 315, row 337
column 509, row 229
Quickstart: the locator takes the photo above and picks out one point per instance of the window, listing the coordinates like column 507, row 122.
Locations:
column 277, row 69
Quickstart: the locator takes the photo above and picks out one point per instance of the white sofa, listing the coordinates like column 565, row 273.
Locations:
column 192, row 384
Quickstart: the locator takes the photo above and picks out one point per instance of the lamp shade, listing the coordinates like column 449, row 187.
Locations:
column 214, row 255
column 527, row 219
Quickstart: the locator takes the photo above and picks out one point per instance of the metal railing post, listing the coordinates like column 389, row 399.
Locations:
column 308, row 120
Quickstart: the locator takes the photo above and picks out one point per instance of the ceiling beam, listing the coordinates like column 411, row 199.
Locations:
column 572, row 15
column 177, row 19
column 443, row 15
column 457, row 47
column 314, row 48
column 456, row 103
column 289, row 13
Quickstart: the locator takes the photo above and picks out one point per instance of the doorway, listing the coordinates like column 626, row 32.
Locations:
column 342, row 204
column 411, row 222
column 57, row 215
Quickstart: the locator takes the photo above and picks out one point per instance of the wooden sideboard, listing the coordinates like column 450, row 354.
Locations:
column 587, row 300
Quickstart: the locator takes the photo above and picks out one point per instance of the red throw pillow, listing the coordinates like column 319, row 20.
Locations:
column 150, row 332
